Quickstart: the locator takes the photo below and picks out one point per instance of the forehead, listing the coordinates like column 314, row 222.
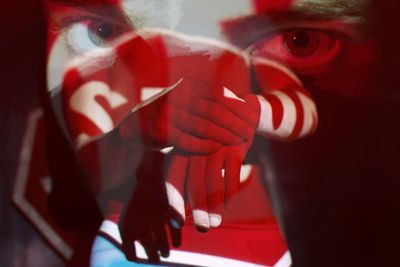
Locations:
column 211, row 7
column 239, row 6
column 193, row 16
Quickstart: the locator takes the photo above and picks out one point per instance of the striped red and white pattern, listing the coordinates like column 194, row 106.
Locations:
column 288, row 111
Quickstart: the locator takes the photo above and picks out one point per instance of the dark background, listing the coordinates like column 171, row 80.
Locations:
column 21, row 46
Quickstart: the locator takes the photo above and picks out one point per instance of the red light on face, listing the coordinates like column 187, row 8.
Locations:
column 301, row 49
column 301, row 43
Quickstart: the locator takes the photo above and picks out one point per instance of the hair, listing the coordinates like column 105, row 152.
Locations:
column 356, row 10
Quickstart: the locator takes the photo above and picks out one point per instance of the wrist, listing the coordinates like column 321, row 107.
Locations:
column 287, row 115
column 277, row 116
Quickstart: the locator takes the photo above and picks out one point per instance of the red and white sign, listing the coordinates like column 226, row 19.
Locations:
column 33, row 185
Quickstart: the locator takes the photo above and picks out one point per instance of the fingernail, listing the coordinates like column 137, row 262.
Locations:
column 201, row 220
column 164, row 254
column 215, row 220
column 177, row 204
column 177, row 224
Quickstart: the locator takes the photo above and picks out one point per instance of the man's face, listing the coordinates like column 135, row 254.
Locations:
column 322, row 41
column 325, row 42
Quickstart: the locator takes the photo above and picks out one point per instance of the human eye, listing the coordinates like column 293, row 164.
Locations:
column 305, row 50
column 89, row 34
column 82, row 37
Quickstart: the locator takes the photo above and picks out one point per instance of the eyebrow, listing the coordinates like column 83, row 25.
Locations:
column 242, row 31
column 333, row 9
column 106, row 9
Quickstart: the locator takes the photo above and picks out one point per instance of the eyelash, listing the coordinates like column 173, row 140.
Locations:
column 269, row 35
column 66, row 24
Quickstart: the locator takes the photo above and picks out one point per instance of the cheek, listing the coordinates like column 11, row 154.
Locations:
column 355, row 74
column 54, row 13
column 57, row 58
column 51, row 40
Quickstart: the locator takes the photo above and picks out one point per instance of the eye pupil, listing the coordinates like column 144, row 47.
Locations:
column 300, row 39
column 104, row 31
column 301, row 43
column 100, row 32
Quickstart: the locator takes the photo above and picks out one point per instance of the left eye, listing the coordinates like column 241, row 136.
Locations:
column 88, row 35
column 300, row 49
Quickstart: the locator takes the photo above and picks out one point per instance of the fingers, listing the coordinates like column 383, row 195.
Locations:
column 204, row 128
column 249, row 109
column 175, row 184
column 162, row 242
column 215, row 103
column 191, row 143
column 232, row 177
column 165, row 134
column 150, row 247
column 154, row 241
column 128, row 247
column 201, row 88
column 175, row 235
column 152, row 236
column 196, row 189
column 223, row 117
column 187, row 120
column 215, row 186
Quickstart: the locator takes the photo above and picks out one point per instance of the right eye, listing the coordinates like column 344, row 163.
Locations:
column 88, row 35
column 302, row 49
